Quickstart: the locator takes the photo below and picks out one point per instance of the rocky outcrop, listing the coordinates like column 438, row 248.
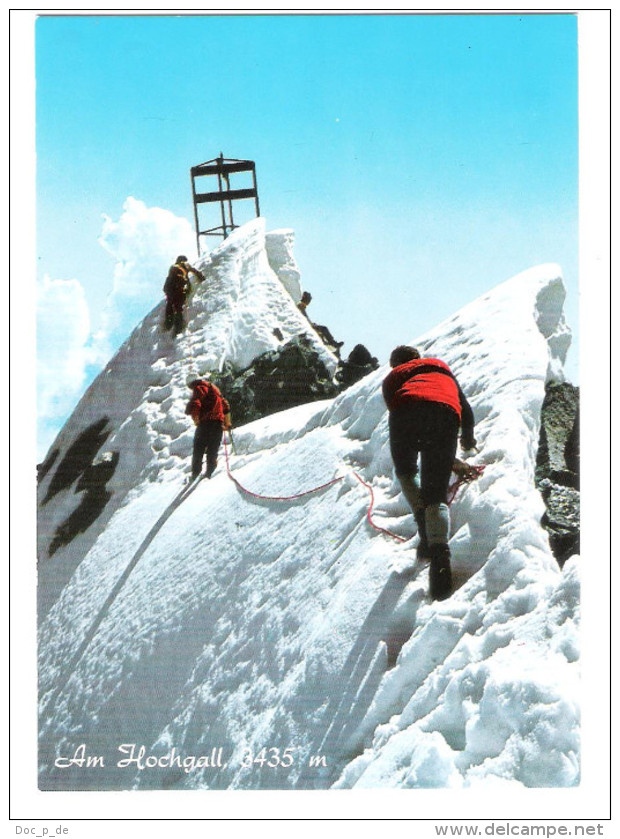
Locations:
column 557, row 468
column 77, row 458
column 275, row 381
column 89, row 473
column 285, row 378
column 94, row 496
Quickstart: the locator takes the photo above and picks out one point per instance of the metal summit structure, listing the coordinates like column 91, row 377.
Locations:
column 222, row 168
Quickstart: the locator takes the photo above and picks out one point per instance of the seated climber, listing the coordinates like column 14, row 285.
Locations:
column 211, row 414
column 322, row 331
column 306, row 299
column 426, row 406
column 177, row 288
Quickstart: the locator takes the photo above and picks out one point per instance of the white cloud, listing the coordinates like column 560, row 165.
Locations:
column 144, row 242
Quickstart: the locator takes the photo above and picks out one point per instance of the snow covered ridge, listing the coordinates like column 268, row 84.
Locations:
column 241, row 643
column 133, row 413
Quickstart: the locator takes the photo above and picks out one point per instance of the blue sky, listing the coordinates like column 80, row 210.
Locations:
column 421, row 159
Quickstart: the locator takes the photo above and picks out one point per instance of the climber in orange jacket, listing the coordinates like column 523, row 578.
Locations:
column 177, row 288
column 426, row 406
column 211, row 414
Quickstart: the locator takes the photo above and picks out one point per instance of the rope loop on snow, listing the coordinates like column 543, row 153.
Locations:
column 247, row 491
column 369, row 512
column 466, row 478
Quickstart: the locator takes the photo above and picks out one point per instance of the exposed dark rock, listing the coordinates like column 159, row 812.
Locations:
column 78, row 457
column 561, row 519
column 80, row 465
column 572, row 449
column 557, row 433
column 275, row 381
column 557, row 468
column 44, row 468
column 92, row 483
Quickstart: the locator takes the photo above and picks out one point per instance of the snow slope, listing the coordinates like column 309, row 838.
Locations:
column 213, row 639
column 138, row 401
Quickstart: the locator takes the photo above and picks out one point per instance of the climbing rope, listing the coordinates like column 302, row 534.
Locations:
column 240, row 486
column 369, row 512
column 472, row 474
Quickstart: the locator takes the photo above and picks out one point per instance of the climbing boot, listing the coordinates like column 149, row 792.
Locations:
column 440, row 574
column 422, row 549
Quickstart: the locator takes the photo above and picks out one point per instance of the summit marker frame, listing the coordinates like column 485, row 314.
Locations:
column 222, row 168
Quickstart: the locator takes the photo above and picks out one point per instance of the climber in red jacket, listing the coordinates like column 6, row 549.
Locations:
column 426, row 406
column 211, row 415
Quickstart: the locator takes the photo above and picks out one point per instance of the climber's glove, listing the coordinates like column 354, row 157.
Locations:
column 468, row 442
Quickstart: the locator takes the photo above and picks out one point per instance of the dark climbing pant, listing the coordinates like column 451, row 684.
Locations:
column 207, row 437
column 174, row 315
column 326, row 336
column 428, row 430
